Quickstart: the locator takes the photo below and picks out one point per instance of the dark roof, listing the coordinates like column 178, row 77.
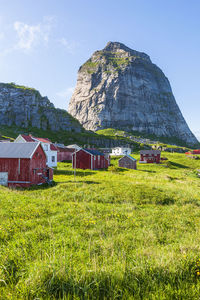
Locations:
column 27, row 138
column 94, row 152
column 30, row 138
column 53, row 147
column 130, row 157
column 149, row 152
column 18, row 150
column 91, row 151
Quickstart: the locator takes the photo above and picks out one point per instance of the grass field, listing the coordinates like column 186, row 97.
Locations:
column 115, row 234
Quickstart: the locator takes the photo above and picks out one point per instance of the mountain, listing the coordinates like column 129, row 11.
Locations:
column 25, row 107
column 121, row 88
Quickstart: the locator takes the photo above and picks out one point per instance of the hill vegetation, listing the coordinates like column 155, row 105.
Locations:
column 110, row 234
column 69, row 137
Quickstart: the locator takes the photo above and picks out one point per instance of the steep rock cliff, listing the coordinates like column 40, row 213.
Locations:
column 25, row 107
column 121, row 88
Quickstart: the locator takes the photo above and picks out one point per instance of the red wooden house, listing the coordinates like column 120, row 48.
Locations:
column 89, row 159
column 63, row 153
column 150, row 156
column 23, row 164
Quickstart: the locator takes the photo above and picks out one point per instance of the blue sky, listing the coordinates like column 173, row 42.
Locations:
column 44, row 42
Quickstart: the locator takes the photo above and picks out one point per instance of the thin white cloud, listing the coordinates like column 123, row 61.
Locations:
column 28, row 36
column 66, row 93
column 70, row 46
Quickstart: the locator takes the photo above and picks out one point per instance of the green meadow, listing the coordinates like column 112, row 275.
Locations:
column 110, row 234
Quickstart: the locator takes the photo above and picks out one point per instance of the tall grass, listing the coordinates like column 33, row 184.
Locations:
column 123, row 234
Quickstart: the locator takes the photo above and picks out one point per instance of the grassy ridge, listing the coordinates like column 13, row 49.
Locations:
column 116, row 234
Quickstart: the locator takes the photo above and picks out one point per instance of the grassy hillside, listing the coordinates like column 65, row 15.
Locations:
column 111, row 234
column 66, row 137
column 99, row 139
column 111, row 132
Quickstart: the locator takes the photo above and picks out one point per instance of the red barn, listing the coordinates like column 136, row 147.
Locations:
column 64, row 153
column 89, row 159
column 150, row 156
column 23, row 164
column 197, row 151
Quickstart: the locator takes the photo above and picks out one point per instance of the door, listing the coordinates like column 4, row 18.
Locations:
column 4, row 178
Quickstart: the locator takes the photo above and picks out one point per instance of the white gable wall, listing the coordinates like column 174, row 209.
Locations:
column 121, row 151
column 51, row 155
column 19, row 139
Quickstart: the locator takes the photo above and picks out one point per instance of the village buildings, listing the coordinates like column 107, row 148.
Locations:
column 63, row 152
column 121, row 151
column 89, row 159
column 128, row 162
column 150, row 156
column 23, row 164
column 47, row 145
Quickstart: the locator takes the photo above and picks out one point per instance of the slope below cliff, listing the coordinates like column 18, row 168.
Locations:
column 121, row 88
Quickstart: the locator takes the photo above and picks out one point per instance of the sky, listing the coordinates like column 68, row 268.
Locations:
column 44, row 42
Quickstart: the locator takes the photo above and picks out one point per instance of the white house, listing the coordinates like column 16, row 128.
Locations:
column 121, row 151
column 48, row 147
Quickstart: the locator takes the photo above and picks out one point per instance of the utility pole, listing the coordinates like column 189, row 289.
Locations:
column 75, row 166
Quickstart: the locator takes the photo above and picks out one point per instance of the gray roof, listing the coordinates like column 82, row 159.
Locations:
column 130, row 157
column 149, row 152
column 17, row 150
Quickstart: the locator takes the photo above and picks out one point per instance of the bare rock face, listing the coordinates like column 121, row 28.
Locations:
column 25, row 107
column 121, row 88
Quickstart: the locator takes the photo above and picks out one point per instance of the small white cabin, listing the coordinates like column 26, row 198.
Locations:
column 121, row 151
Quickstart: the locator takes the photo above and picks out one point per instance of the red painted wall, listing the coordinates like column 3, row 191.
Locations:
column 28, row 172
column 100, row 162
column 197, row 151
column 38, row 166
column 64, row 155
column 83, row 161
column 11, row 165
column 151, row 158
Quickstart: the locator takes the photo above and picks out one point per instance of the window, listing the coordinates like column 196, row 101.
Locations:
column 45, row 147
column 53, row 158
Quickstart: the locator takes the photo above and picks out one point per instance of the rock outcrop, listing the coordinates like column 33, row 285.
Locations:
column 121, row 88
column 25, row 107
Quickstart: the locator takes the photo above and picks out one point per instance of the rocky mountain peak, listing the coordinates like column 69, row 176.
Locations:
column 119, row 48
column 121, row 88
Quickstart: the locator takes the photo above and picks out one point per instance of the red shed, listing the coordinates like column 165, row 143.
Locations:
column 89, row 159
column 149, row 156
column 23, row 164
column 64, row 153
column 197, row 151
